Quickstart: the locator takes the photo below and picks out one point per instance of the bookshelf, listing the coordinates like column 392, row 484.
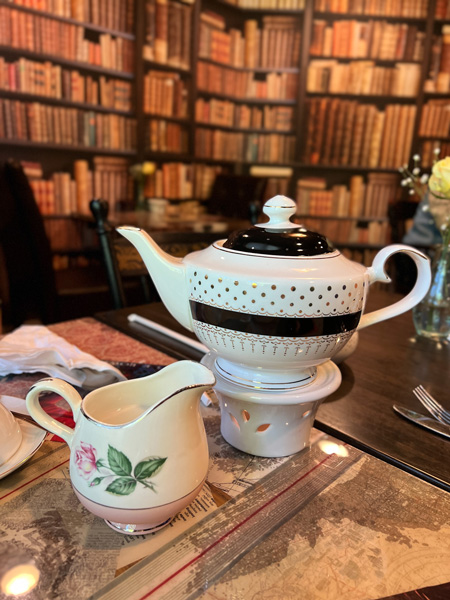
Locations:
column 329, row 89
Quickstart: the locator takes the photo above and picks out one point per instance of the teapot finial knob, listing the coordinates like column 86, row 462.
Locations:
column 279, row 209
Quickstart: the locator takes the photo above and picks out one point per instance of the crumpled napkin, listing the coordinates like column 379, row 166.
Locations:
column 35, row 349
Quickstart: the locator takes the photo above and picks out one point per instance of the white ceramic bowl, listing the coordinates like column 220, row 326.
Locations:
column 10, row 434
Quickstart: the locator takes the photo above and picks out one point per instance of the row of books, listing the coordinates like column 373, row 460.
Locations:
column 178, row 181
column 363, row 78
column 435, row 118
column 427, row 152
column 270, row 4
column 53, row 81
column 243, row 84
column 228, row 114
column 276, row 186
column 165, row 93
column 385, row 8
column 438, row 79
column 43, row 35
column 164, row 136
column 360, row 198
column 346, row 231
column 168, row 26
column 344, row 132
column 67, row 194
column 65, row 233
column 111, row 14
column 246, row 147
column 37, row 122
column 367, row 39
column 275, row 45
column 442, row 9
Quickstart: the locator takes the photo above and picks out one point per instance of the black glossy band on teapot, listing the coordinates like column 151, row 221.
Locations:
column 274, row 326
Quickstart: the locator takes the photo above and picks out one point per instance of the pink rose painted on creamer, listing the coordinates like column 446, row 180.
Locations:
column 116, row 471
column 86, row 459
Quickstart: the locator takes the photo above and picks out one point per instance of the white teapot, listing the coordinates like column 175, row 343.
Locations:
column 274, row 301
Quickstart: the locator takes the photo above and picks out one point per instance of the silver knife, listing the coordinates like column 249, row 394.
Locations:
column 423, row 421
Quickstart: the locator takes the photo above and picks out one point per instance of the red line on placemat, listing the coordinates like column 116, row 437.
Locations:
column 238, row 526
column 34, row 479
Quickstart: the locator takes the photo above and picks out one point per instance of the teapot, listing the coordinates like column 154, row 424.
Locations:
column 139, row 452
column 274, row 301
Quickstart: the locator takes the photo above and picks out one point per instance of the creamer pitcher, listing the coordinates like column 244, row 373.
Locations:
column 139, row 452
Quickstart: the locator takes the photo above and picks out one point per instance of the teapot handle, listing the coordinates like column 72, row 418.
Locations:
column 40, row 416
column 377, row 273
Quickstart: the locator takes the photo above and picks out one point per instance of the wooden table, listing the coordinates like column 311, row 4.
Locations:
column 361, row 529
column 387, row 364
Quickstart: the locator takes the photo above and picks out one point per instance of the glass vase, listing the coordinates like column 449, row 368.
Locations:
column 432, row 315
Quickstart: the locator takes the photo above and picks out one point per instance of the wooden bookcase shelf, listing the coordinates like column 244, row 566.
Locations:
column 235, row 18
column 167, row 156
column 352, row 168
column 436, row 138
column 8, row 51
column 356, row 246
column 334, row 16
column 375, row 98
column 151, row 64
column 250, row 69
column 242, row 129
column 254, row 10
column 84, row 24
column 332, row 217
column 62, row 102
column 181, row 120
column 378, row 61
column 66, row 148
column 263, row 101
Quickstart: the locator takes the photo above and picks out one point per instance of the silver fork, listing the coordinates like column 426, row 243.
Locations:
column 432, row 405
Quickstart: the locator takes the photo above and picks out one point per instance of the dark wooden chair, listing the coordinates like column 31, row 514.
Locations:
column 123, row 263
column 28, row 279
column 403, row 271
column 237, row 196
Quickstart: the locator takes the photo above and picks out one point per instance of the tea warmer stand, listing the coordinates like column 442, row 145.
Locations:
column 270, row 420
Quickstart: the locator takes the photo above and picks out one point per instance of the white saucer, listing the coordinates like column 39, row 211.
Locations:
column 32, row 439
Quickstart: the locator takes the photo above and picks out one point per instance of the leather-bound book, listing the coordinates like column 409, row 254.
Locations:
column 356, row 196
column 251, row 50
column 411, row 111
column 329, row 129
column 368, row 131
column 358, row 134
column 387, row 138
column 161, row 30
column 320, row 133
column 376, row 139
column 444, row 65
column 334, row 138
column 410, row 42
column 348, row 139
column 149, row 35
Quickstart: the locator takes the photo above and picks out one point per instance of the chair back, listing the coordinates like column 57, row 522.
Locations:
column 26, row 253
column 237, row 196
column 122, row 260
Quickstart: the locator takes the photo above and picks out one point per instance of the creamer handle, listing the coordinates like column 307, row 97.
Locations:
column 377, row 273
column 40, row 416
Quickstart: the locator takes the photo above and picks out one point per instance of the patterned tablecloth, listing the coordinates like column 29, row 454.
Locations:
column 371, row 532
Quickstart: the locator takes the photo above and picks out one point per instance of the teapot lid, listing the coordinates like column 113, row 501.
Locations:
column 279, row 236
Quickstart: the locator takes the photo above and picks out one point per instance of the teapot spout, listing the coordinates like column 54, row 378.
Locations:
column 167, row 272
